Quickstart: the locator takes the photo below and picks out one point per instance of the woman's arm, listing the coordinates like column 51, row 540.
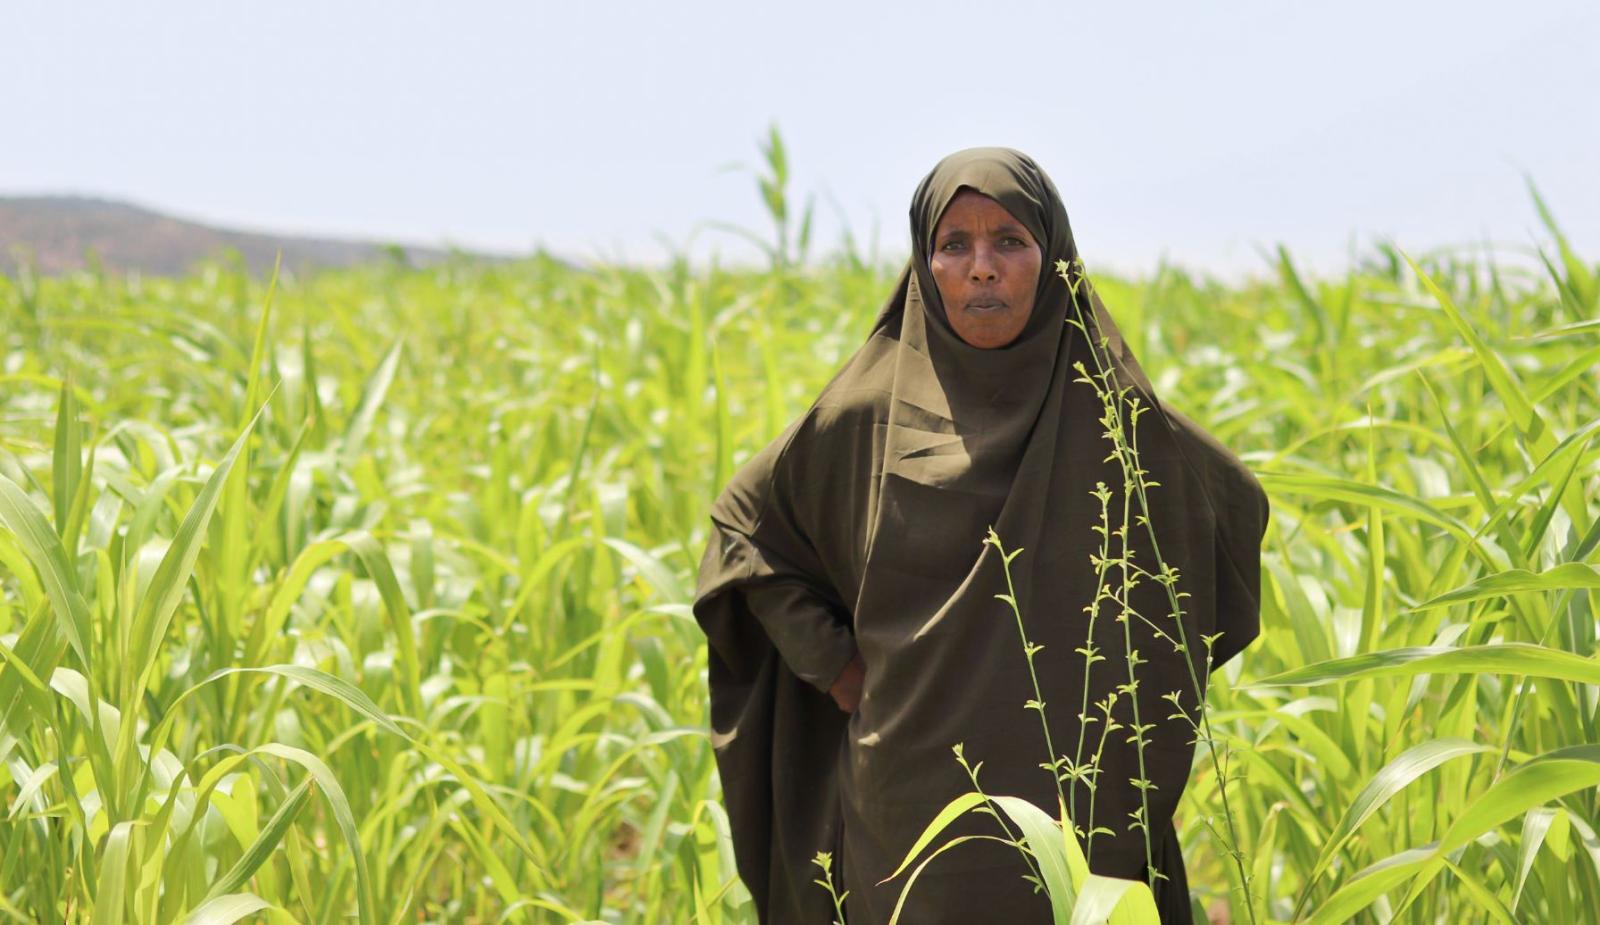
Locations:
column 768, row 556
column 816, row 645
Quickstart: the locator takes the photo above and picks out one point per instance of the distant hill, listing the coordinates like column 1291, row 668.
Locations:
column 56, row 233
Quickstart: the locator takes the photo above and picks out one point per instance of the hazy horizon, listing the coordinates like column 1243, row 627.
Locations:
column 1196, row 136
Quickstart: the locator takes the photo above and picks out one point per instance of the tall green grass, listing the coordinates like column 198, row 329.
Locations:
column 365, row 593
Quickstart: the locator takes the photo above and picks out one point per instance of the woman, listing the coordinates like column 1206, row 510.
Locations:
column 848, row 595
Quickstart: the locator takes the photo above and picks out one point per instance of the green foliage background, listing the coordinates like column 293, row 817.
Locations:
column 369, row 595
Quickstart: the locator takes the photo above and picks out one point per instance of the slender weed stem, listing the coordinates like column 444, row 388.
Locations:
column 1123, row 433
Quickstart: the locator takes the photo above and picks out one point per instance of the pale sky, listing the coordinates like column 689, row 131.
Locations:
column 1197, row 132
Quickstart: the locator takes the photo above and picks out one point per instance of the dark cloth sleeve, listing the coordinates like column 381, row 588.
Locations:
column 1241, row 511
column 786, row 584
column 774, row 625
column 1241, row 526
column 774, row 734
column 813, row 642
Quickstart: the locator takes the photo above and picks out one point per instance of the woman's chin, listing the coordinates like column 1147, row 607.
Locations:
column 989, row 336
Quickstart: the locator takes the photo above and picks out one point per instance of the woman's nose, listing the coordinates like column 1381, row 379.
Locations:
column 983, row 270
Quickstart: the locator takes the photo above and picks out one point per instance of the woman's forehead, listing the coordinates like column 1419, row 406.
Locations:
column 1019, row 206
column 968, row 203
column 1005, row 175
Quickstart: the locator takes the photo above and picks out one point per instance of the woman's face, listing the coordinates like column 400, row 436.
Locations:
column 986, row 265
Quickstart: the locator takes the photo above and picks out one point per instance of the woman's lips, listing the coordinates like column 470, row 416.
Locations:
column 985, row 307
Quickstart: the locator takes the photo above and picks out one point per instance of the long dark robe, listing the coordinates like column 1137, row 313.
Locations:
column 862, row 525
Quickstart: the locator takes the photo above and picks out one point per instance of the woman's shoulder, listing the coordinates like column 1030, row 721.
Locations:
column 1201, row 446
column 1229, row 482
column 858, row 395
column 834, row 431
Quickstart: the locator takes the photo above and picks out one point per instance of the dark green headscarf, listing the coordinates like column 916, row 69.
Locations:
column 862, row 526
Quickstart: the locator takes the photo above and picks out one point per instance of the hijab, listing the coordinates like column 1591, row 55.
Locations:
column 875, row 505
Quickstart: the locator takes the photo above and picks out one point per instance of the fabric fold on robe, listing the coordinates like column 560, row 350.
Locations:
column 861, row 528
column 813, row 642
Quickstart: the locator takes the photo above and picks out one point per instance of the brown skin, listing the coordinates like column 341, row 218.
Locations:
column 846, row 689
column 986, row 265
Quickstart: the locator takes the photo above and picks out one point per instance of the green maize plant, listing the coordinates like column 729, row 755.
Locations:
column 365, row 593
